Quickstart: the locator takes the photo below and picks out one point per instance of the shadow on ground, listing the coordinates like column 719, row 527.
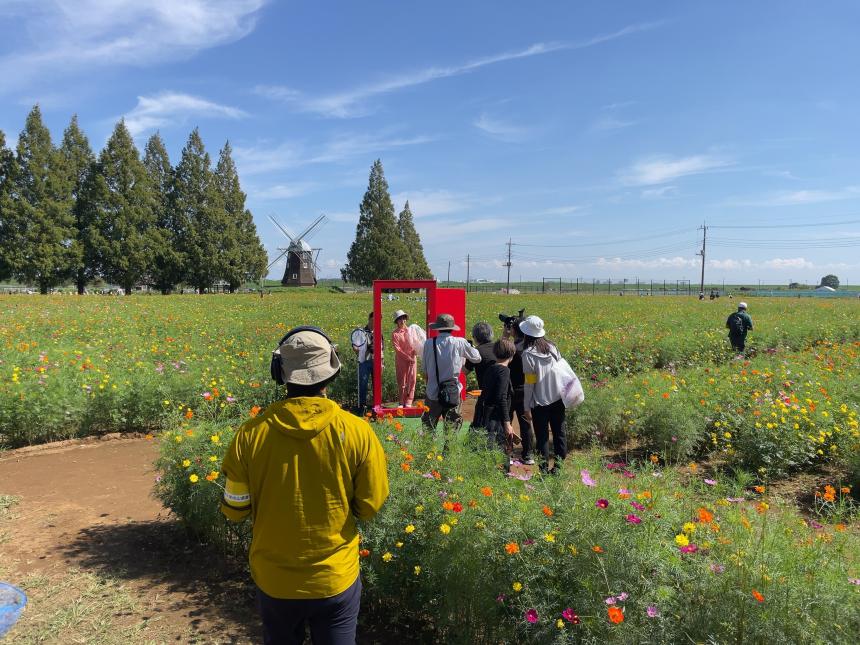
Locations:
column 174, row 576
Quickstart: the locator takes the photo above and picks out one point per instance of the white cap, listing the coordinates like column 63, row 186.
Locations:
column 533, row 326
column 742, row 305
column 399, row 313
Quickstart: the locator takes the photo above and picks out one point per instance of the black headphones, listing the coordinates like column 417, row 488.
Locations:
column 275, row 366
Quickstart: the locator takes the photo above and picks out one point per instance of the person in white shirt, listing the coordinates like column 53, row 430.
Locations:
column 448, row 354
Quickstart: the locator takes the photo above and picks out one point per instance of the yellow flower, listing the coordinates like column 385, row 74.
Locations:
column 398, row 544
column 416, row 570
column 186, row 463
column 517, row 586
column 410, row 528
column 524, row 498
column 446, row 529
column 213, row 458
column 193, row 479
column 689, row 528
column 386, row 557
column 573, row 550
column 681, row 540
column 419, row 509
column 559, row 623
column 215, row 438
column 549, row 537
column 453, row 521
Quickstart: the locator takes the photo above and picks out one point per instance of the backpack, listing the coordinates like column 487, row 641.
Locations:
column 736, row 324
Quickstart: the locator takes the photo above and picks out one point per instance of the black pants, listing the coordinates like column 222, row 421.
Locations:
column 738, row 342
column 544, row 418
column 526, row 433
column 332, row 620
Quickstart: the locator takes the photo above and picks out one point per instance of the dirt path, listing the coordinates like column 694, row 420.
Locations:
column 101, row 560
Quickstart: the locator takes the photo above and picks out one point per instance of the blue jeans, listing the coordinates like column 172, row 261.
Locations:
column 365, row 370
column 333, row 621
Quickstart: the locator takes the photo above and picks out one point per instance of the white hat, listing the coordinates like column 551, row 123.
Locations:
column 399, row 314
column 307, row 358
column 742, row 305
column 533, row 326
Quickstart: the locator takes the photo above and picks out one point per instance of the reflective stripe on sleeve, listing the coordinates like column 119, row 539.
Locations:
column 236, row 494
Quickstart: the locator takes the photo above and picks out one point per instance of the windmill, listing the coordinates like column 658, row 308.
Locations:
column 302, row 265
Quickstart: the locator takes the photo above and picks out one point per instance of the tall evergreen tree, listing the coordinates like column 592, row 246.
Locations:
column 119, row 203
column 78, row 158
column 377, row 253
column 44, row 249
column 199, row 209
column 418, row 269
column 243, row 258
column 7, row 165
column 167, row 265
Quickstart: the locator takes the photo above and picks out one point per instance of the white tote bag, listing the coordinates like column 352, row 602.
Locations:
column 567, row 384
column 417, row 336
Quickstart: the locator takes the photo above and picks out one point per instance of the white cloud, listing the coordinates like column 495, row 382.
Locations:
column 560, row 210
column 663, row 192
column 663, row 169
column 352, row 103
column 788, row 263
column 282, row 191
column 459, row 230
column 266, row 157
column 424, row 203
column 166, row 108
column 608, row 123
column 729, row 264
column 798, row 197
column 74, row 35
column 656, row 263
column 501, row 130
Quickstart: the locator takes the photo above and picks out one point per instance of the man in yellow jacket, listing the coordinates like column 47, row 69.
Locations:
column 305, row 470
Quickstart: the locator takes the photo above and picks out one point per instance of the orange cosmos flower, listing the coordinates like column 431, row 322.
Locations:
column 759, row 489
column 757, row 596
column 255, row 411
column 548, row 511
column 189, row 413
column 511, row 548
column 364, row 553
column 405, row 467
column 486, row 491
column 597, row 548
column 616, row 616
column 705, row 516
column 447, row 505
column 398, row 426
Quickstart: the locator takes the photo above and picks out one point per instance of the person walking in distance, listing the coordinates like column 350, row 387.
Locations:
column 405, row 359
column 305, row 471
column 542, row 403
column 443, row 359
column 364, row 355
column 739, row 323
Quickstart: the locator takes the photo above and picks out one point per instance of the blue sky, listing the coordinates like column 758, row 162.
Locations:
column 596, row 136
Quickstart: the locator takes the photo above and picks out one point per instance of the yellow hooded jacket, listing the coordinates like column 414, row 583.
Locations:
column 305, row 470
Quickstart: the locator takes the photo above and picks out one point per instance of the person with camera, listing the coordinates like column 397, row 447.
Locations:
column 443, row 359
column 527, row 436
column 496, row 396
column 305, row 471
column 482, row 335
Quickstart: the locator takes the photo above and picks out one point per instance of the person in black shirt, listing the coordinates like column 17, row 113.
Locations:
column 518, row 381
column 482, row 334
column 497, row 394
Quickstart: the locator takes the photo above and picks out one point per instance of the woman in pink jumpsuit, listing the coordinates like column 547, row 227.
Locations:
column 405, row 359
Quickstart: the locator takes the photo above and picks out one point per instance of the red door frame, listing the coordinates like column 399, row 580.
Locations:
column 430, row 288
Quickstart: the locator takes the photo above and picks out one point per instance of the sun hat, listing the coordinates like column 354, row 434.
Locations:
column 533, row 326
column 444, row 322
column 400, row 314
column 308, row 358
column 742, row 305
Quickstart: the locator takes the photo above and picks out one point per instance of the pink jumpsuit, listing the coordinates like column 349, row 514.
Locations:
column 404, row 364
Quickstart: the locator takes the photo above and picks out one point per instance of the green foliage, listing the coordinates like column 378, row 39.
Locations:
column 166, row 270
column 42, row 248
column 418, row 267
column 243, row 257
column 78, row 160
column 830, row 280
column 118, row 205
column 7, row 169
column 468, row 552
column 377, row 253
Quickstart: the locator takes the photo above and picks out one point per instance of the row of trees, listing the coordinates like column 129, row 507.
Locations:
column 67, row 216
column 386, row 247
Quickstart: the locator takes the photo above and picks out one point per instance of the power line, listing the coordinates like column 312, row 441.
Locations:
column 781, row 226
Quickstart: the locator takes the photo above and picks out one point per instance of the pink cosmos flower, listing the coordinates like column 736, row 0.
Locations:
column 602, row 503
column 710, row 482
column 717, row 568
column 586, row 478
column 815, row 525
column 532, row 616
column 637, row 506
column 854, row 581
column 624, row 491
column 690, row 548
column 622, row 596
column 528, row 542
column 610, row 600
column 628, row 474
column 570, row 616
column 735, row 500
column 501, row 597
column 652, row 611
column 633, row 519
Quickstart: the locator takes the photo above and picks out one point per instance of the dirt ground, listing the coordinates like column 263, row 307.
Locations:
column 103, row 562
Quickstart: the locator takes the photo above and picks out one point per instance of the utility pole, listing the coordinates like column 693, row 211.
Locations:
column 704, row 230
column 467, row 273
column 508, row 264
column 448, row 281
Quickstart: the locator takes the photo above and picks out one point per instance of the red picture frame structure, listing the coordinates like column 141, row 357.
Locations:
column 439, row 300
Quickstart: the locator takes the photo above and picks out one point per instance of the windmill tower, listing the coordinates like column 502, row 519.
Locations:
column 302, row 265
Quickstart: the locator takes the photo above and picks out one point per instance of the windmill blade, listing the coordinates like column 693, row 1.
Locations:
column 283, row 230
column 319, row 220
column 277, row 259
